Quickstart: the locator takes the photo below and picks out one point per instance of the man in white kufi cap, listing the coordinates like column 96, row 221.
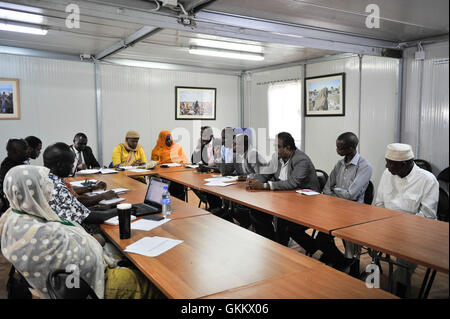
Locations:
column 407, row 188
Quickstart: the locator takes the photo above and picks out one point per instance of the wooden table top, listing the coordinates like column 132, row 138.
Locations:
column 321, row 282
column 158, row 169
column 215, row 256
column 421, row 240
column 322, row 212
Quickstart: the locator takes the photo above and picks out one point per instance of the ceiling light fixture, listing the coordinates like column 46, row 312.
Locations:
column 21, row 16
column 227, row 45
column 23, row 28
column 232, row 54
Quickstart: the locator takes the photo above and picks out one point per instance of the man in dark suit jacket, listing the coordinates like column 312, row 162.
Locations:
column 84, row 158
column 290, row 168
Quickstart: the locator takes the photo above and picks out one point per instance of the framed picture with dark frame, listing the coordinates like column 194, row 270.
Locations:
column 195, row 103
column 325, row 95
column 9, row 99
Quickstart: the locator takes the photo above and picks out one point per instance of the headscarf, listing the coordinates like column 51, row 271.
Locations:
column 168, row 154
column 36, row 241
column 131, row 151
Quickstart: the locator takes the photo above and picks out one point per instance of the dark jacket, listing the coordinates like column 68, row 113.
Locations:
column 6, row 165
column 89, row 158
column 301, row 173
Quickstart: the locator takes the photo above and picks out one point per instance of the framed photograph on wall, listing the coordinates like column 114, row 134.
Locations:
column 9, row 99
column 195, row 103
column 325, row 95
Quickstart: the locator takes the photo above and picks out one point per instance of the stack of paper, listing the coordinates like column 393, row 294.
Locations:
column 111, row 201
column 115, row 220
column 138, row 170
column 80, row 183
column 145, row 224
column 308, row 192
column 108, row 171
column 88, row 171
column 191, row 166
column 171, row 164
column 152, row 246
column 221, row 181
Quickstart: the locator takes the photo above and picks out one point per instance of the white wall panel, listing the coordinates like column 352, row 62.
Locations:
column 379, row 105
column 57, row 100
column 425, row 110
column 144, row 100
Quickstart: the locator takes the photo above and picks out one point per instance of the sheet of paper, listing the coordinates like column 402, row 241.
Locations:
column 191, row 166
column 115, row 220
column 88, row 171
column 308, row 192
column 108, row 171
column 139, row 170
column 80, row 183
column 120, row 190
column 127, row 167
column 145, row 224
column 111, row 201
column 222, row 179
column 152, row 246
column 221, row 184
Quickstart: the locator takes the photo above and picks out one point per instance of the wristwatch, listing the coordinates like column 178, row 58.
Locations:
column 266, row 185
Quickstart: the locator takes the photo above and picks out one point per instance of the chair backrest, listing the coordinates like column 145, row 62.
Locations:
column 57, row 287
column 368, row 195
column 442, row 210
column 322, row 176
column 423, row 164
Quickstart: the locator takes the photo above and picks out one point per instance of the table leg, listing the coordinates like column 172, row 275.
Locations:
column 428, row 285
column 424, row 283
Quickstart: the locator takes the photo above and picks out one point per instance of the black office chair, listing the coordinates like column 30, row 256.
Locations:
column 322, row 177
column 368, row 195
column 57, row 288
column 423, row 164
column 443, row 205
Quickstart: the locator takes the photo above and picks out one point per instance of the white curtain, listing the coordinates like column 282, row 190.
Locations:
column 285, row 112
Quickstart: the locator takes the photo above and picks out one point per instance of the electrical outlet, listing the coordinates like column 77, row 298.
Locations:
column 420, row 55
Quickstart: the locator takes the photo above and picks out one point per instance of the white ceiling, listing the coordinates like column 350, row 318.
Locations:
column 401, row 21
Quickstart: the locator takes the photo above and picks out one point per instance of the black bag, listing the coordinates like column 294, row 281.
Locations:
column 17, row 288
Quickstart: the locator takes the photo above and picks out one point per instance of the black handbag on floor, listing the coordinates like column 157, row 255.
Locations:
column 17, row 288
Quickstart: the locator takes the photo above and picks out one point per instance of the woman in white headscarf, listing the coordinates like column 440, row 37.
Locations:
column 36, row 241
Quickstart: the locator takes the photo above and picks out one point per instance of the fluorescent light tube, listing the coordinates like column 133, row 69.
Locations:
column 13, row 27
column 21, row 16
column 227, row 45
column 226, row 53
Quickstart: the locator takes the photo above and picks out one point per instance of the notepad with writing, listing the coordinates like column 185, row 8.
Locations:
column 308, row 192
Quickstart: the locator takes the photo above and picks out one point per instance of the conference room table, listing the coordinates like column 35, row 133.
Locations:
column 321, row 212
column 417, row 239
column 217, row 256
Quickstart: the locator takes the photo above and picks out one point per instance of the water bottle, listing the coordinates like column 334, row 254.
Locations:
column 166, row 207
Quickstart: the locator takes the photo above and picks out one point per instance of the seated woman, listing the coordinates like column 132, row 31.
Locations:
column 129, row 153
column 166, row 151
column 36, row 241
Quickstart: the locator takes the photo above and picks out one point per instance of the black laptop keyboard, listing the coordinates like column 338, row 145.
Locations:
column 142, row 209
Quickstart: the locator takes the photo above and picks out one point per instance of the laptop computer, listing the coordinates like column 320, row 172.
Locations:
column 153, row 197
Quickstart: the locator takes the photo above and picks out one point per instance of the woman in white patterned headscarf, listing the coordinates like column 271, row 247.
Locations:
column 36, row 241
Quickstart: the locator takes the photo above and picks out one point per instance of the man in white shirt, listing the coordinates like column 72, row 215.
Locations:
column 407, row 188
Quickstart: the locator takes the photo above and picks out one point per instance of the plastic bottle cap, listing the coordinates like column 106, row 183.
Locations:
column 124, row 206
column 166, row 187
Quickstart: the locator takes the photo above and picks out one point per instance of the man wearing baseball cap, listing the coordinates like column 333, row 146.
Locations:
column 407, row 188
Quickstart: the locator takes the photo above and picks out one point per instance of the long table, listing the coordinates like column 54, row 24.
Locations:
column 218, row 256
column 322, row 212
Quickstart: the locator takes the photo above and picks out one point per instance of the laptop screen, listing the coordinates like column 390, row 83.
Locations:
column 155, row 191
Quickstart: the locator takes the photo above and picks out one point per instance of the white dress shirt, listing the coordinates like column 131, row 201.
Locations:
column 283, row 172
column 78, row 154
column 417, row 193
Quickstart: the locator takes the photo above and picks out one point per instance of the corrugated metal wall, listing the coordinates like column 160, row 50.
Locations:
column 57, row 100
column 425, row 116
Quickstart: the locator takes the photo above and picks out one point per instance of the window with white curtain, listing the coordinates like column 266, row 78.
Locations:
column 285, row 111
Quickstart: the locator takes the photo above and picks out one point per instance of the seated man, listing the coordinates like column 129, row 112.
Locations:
column 291, row 169
column 407, row 188
column 130, row 152
column 17, row 155
column 34, row 147
column 59, row 159
column 204, row 155
column 349, row 180
column 84, row 158
column 226, row 150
